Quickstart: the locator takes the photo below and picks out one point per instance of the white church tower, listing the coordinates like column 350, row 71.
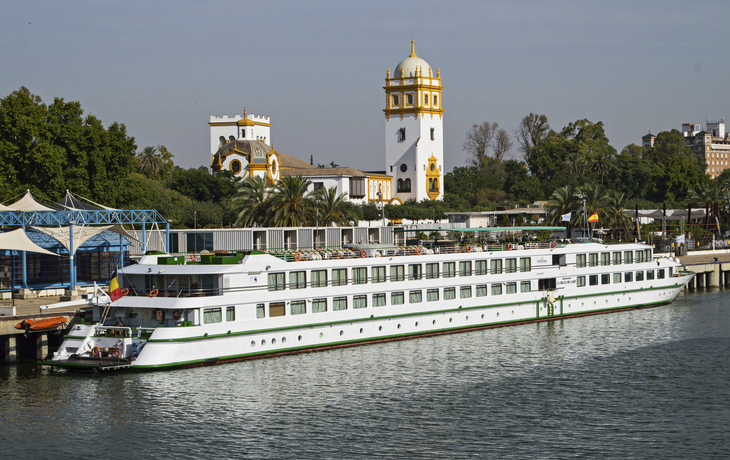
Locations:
column 414, row 147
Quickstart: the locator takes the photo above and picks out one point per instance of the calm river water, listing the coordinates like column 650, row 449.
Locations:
column 651, row 383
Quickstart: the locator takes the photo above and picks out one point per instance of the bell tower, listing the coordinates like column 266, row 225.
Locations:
column 414, row 147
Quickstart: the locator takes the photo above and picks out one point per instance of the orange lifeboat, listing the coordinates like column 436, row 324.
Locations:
column 41, row 325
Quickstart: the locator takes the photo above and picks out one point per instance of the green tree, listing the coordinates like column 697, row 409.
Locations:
column 252, row 202
column 478, row 142
column 333, row 208
column 290, row 204
column 149, row 160
column 531, row 132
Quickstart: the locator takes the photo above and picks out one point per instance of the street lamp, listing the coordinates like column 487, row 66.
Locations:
column 195, row 220
column 380, row 205
column 585, row 214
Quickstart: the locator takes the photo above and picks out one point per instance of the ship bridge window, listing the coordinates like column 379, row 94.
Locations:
column 276, row 282
column 212, row 315
column 297, row 280
column 397, row 298
column 660, row 274
column 298, row 307
column 449, row 293
column 647, row 255
column 546, row 283
column 449, row 269
column 525, row 264
column 650, row 274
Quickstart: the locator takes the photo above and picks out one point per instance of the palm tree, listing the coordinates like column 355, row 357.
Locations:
column 289, row 203
column 562, row 201
column 616, row 218
column 576, row 162
column 252, row 199
column 149, row 159
column 595, row 196
column 602, row 163
column 333, row 209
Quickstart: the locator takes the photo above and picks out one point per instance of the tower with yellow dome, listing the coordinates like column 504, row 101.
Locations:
column 414, row 148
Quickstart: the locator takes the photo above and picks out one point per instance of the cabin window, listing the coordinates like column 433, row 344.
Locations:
column 481, row 290
column 628, row 257
column 593, row 280
column 276, row 309
column 260, row 311
column 276, row 282
column 650, row 274
column 616, row 278
column 465, row 268
column 465, row 292
column 415, row 297
column 230, row 313
column 397, row 298
column 481, row 267
column 497, row 289
column 449, row 293
column 581, row 281
column 298, row 307
column 339, row 276
column 628, row 277
column 449, row 269
column 359, row 275
column 414, row 272
column 606, row 278
column 359, row 301
column 525, row 264
column 212, row 315
column 593, row 260
column 605, row 258
column 617, row 258
column 660, row 274
column 670, row 272
column 319, row 305
column 297, row 280
column 432, row 295
column 396, row 273
column 378, row 274
column 511, row 288
column 496, row 266
column 647, row 255
column 339, row 303
column 639, row 257
column 580, row 260
column 511, row 265
column 524, row 286
column 640, row 276
column 378, row 300
column 432, row 271
column 319, row 278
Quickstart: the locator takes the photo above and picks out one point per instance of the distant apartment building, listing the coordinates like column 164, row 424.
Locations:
column 712, row 144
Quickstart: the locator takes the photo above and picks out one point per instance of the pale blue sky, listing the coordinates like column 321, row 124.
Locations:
column 317, row 68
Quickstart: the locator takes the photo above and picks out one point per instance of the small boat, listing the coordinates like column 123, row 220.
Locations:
column 41, row 325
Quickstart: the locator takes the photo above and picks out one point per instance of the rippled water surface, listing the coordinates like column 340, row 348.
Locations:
column 650, row 383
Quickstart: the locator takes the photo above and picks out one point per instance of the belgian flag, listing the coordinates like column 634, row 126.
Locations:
column 115, row 292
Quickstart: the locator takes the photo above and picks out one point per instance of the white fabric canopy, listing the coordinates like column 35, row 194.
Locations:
column 5, row 208
column 81, row 234
column 17, row 240
column 28, row 203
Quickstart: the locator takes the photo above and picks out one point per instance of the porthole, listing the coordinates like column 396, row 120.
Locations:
column 263, row 341
column 399, row 326
column 253, row 343
column 342, row 333
column 482, row 316
column 380, row 328
column 361, row 330
column 321, row 335
column 434, row 322
column 451, row 319
column 497, row 314
column 273, row 341
column 467, row 318
column 300, row 338
column 416, row 323
column 513, row 312
column 283, row 340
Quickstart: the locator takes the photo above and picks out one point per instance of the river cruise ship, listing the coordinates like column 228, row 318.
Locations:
column 180, row 311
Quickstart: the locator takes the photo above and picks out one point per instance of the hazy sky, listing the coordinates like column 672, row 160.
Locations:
column 317, row 68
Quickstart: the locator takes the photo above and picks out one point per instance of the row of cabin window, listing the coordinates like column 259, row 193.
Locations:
column 615, row 258
column 215, row 315
column 298, row 307
column 318, row 278
column 627, row 277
